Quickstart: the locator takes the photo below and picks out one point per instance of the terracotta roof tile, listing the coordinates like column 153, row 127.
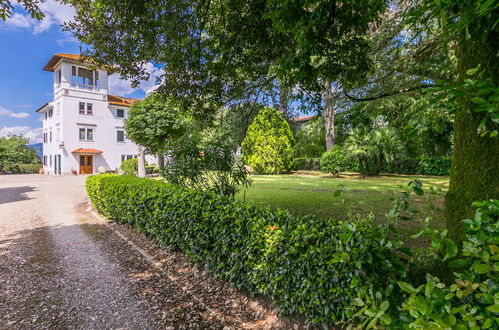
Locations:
column 86, row 151
column 119, row 100
column 73, row 57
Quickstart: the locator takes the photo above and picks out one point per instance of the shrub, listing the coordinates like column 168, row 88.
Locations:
column 306, row 164
column 130, row 166
column 328, row 270
column 436, row 165
column 472, row 301
column 214, row 168
column 309, row 137
column 23, row 168
column 267, row 147
column 334, row 161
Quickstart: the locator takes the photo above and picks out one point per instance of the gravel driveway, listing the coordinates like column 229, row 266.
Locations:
column 60, row 267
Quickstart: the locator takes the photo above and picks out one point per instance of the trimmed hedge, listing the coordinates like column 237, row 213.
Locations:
column 334, row 161
column 23, row 168
column 306, row 164
column 436, row 165
column 328, row 270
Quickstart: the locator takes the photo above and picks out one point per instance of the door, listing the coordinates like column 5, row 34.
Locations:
column 58, row 164
column 86, row 164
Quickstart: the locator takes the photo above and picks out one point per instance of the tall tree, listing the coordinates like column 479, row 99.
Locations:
column 472, row 24
column 13, row 150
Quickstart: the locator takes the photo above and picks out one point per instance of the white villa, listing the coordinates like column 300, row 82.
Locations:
column 83, row 126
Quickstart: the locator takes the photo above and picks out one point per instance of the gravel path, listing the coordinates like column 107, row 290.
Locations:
column 60, row 267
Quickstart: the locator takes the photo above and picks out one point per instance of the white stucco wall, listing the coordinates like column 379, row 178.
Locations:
column 103, row 121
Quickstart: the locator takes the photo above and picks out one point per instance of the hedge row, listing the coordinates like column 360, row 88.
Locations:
column 328, row 270
column 306, row 164
column 22, row 168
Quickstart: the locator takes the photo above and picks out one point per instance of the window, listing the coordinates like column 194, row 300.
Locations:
column 120, row 113
column 58, row 109
column 46, row 115
column 58, row 77
column 50, row 113
column 45, row 160
column 51, row 136
column 89, row 109
column 120, row 136
column 58, row 135
column 84, row 78
column 86, row 134
column 50, row 158
column 82, row 134
column 45, row 140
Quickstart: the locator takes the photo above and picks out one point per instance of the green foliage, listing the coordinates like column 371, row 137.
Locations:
column 267, row 147
column 374, row 148
column 213, row 167
column 13, row 150
column 436, row 165
column 472, row 301
column 155, row 122
column 130, row 166
column 306, row 164
column 330, row 271
column 334, row 161
column 309, row 138
column 23, row 168
column 31, row 6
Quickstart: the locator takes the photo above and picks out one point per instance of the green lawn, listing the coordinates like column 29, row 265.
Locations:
column 308, row 192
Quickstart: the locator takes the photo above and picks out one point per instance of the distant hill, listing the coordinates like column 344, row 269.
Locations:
column 38, row 149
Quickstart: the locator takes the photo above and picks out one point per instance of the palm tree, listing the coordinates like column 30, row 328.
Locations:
column 358, row 146
column 373, row 149
column 386, row 147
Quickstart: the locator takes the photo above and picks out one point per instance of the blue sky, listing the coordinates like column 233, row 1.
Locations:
column 25, row 46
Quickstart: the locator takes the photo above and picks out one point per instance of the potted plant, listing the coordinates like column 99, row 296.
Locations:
column 73, row 171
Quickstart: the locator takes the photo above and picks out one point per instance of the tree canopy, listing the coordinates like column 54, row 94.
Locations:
column 14, row 150
column 155, row 122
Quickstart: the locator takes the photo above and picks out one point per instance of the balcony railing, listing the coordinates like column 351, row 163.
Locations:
column 72, row 85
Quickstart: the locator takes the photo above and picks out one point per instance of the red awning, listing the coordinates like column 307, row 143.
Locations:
column 87, row 151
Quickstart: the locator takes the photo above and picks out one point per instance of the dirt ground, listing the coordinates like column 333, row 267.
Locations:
column 62, row 267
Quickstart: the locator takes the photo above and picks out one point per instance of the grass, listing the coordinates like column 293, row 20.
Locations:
column 308, row 192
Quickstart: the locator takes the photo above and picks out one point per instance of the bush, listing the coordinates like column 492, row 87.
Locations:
column 23, row 168
column 334, row 161
column 330, row 271
column 214, row 168
column 267, row 147
column 403, row 166
column 309, row 138
column 436, row 165
column 306, row 164
column 130, row 166
column 472, row 300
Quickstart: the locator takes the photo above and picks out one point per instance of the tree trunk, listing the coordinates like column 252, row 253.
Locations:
column 283, row 102
column 161, row 160
column 141, row 171
column 328, row 115
column 475, row 163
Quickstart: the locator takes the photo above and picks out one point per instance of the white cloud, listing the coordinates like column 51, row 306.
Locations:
column 121, row 87
column 12, row 114
column 55, row 13
column 24, row 106
column 34, row 134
